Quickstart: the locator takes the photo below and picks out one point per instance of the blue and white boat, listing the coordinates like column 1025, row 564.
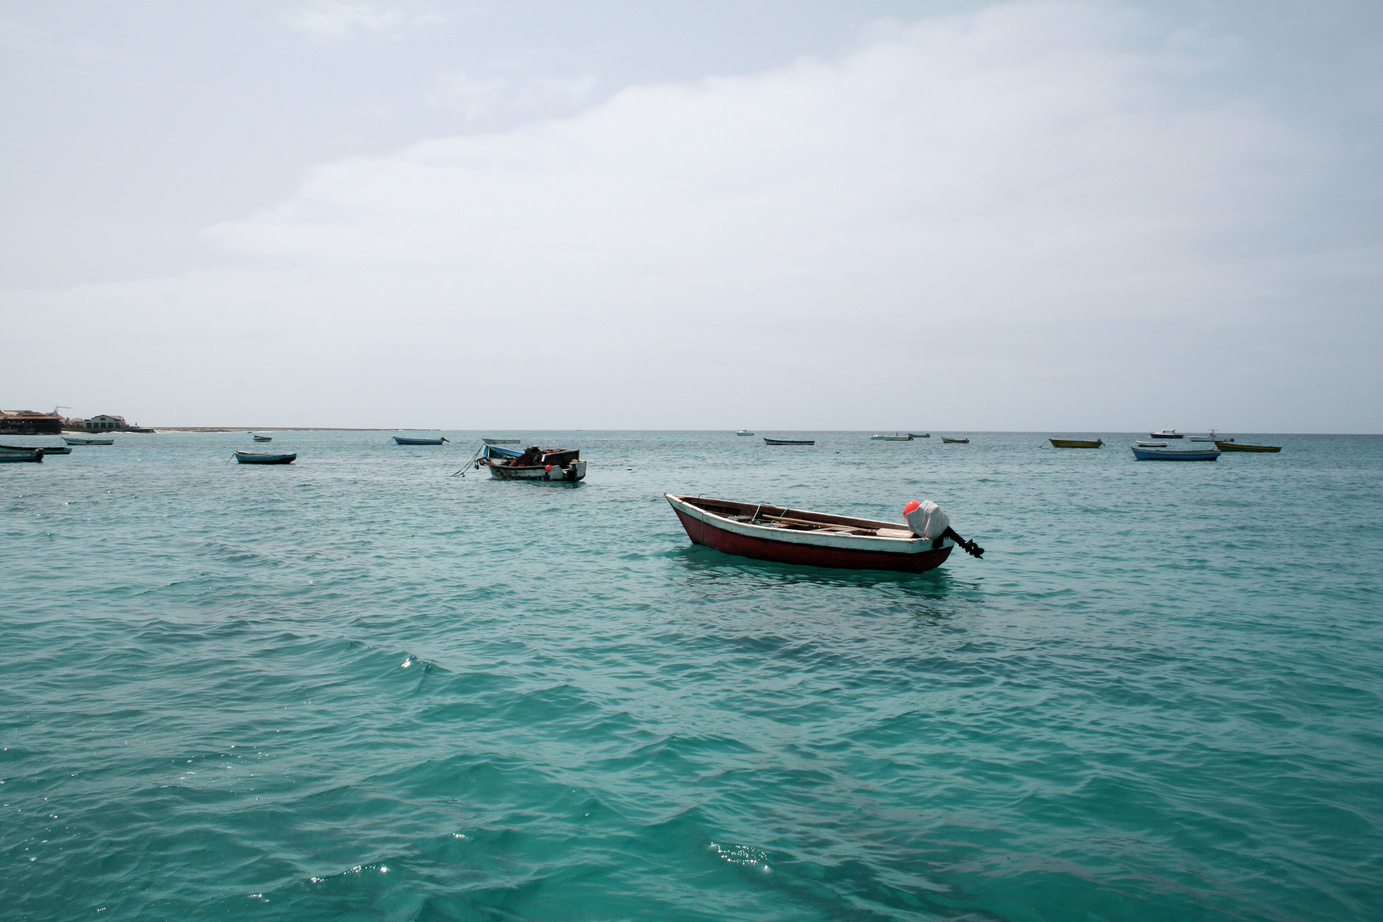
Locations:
column 1166, row 454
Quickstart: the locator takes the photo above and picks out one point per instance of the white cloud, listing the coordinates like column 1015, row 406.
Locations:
column 992, row 221
column 340, row 20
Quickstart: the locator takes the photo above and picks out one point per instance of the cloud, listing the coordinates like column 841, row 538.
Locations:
column 997, row 220
column 342, row 20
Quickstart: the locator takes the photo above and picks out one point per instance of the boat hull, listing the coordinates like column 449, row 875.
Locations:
column 768, row 441
column 1154, row 454
column 573, row 472
column 250, row 457
column 946, row 441
column 1076, row 443
column 1239, row 446
column 46, row 449
column 76, row 441
column 402, row 441
column 890, row 438
column 8, row 456
column 832, row 551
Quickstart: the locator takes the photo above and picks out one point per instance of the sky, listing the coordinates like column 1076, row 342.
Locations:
column 792, row 215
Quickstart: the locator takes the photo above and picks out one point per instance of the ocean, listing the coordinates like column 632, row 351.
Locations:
column 363, row 687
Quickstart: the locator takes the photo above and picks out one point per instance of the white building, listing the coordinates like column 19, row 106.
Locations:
column 102, row 422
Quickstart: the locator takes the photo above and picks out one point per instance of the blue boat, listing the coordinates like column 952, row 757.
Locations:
column 1157, row 454
column 400, row 440
column 260, row 457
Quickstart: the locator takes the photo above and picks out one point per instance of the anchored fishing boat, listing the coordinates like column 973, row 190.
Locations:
column 1240, row 446
column 896, row 437
column 1166, row 434
column 743, row 432
column 261, row 438
column 46, row 449
column 500, row 441
column 946, row 441
column 264, row 457
column 544, row 464
column 74, row 440
column 20, row 454
column 768, row 441
column 1076, row 443
column 920, row 435
column 1158, row 454
column 796, row 536
column 400, row 440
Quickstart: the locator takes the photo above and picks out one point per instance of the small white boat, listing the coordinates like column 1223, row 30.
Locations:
column 743, row 432
column 896, row 437
column 500, row 441
column 74, row 440
column 262, row 438
column 1166, row 434
column 1145, row 443
column 921, row 542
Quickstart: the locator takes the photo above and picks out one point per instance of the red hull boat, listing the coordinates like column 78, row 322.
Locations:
column 815, row 539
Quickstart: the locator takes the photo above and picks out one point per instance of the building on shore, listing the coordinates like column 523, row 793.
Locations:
column 30, row 422
column 103, row 423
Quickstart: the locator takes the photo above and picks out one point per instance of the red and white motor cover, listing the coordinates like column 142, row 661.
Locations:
column 926, row 519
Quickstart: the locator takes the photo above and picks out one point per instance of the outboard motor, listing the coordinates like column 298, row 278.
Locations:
column 928, row 522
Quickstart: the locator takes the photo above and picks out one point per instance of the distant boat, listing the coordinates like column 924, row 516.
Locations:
column 1157, row 454
column 743, row 432
column 920, row 435
column 263, row 457
column 1166, row 434
column 400, row 440
column 1239, row 446
column 955, row 441
column 1076, row 443
column 542, row 464
column 20, row 454
column 46, row 449
column 817, row 539
column 262, row 438
column 500, row 441
column 896, row 437
column 1143, row 443
column 72, row 440
column 768, row 441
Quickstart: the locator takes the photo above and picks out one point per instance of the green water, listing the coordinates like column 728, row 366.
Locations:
column 359, row 687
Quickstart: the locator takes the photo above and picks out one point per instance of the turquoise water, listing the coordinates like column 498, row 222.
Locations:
column 361, row 688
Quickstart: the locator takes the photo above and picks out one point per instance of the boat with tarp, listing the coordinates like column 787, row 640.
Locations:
column 553, row 465
column 763, row 531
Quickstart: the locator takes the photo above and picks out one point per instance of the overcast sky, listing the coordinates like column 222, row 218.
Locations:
column 782, row 215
